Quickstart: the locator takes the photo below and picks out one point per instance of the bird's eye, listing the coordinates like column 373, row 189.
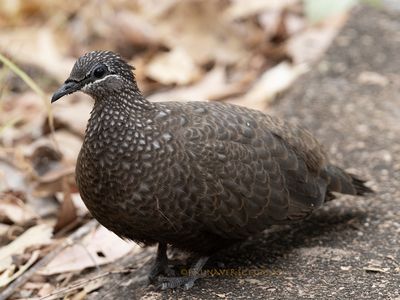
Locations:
column 99, row 71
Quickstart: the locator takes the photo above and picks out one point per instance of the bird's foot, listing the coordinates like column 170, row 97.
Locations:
column 186, row 282
column 160, row 269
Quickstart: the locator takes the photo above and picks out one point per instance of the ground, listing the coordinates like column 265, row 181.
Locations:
column 350, row 248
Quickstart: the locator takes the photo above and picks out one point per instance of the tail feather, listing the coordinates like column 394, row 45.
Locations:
column 342, row 182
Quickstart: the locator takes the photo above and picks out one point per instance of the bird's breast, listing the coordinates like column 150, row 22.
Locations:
column 119, row 174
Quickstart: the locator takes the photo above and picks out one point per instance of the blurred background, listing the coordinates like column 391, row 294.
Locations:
column 242, row 52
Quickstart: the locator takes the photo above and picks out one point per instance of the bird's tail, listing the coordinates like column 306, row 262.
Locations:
column 345, row 183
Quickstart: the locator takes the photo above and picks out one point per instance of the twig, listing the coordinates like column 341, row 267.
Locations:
column 79, row 233
column 32, row 84
column 80, row 283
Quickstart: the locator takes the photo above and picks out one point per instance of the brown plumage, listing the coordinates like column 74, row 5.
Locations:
column 198, row 176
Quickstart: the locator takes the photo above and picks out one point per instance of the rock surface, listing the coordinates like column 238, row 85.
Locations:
column 350, row 248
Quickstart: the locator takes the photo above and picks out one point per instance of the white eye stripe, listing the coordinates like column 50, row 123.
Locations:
column 105, row 77
column 88, row 85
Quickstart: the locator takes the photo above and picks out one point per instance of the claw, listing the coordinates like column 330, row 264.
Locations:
column 175, row 282
column 186, row 282
column 160, row 267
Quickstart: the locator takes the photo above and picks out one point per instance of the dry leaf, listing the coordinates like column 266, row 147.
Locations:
column 77, row 290
column 11, row 178
column 44, row 207
column 269, row 21
column 67, row 213
column 34, row 236
column 172, row 67
column 309, row 45
column 15, row 210
column 79, row 296
column 44, row 289
column 44, row 157
column 213, row 86
column 243, row 9
column 36, row 46
column 27, row 112
column 272, row 82
column 6, row 277
column 69, row 144
column 77, row 201
column 99, row 248
column 197, row 26
column 4, row 229
column 155, row 8
column 52, row 181
column 130, row 28
column 73, row 114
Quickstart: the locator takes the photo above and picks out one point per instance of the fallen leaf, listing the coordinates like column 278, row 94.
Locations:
column 34, row 236
column 77, row 201
column 70, row 145
column 36, row 46
column 43, row 156
column 11, row 178
column 74, row 113
column 67, row 213
column 28, row 112
column 173, row 67
column 52, row 181
column 77, row 290
column 4, row 229
column 131, row 28
column 155, row 8
column 213, row 86
column 79, row 296
column 96, row 249
column 44, row 207
column 271, row 83
column 14, row 209
column 47, row 162
column 269, row 21
column 43, row 289
column 309, row 45
column 200, row 29
column 242, row 9
column 8, row 276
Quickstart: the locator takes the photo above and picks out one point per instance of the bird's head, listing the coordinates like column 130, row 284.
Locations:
column 97, row 74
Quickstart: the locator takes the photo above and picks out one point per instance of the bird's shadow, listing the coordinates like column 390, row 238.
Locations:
column 327, row 227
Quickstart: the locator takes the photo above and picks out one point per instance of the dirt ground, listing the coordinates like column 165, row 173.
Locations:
column 350, row 248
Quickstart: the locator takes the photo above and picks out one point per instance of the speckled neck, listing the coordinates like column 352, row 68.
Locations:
column 129, row 99
column 115, row 116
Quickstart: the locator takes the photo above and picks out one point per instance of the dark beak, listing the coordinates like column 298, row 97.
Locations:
column 67, row 88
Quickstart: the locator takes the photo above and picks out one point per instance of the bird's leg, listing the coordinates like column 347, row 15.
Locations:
column 185, row 281
column 160, row 265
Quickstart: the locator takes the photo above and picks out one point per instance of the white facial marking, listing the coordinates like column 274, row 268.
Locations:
column 89, row 85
